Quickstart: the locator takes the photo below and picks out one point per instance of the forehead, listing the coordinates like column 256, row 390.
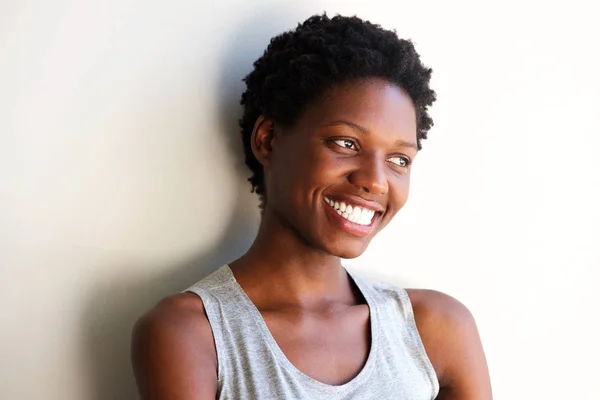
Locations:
column 377, row 105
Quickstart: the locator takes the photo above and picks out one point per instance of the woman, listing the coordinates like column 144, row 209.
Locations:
column 334, row 115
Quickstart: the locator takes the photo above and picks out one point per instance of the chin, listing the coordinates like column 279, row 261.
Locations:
column 347, row 249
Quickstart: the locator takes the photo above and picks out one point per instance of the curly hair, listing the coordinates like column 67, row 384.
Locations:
column 300, row 65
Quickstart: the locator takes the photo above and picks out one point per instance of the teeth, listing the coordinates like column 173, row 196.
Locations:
column 365, row 214
column 358, row 215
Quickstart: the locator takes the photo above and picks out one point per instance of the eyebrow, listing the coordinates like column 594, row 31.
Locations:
column 364, row 130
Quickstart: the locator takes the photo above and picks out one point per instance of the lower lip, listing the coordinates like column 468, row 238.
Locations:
column 351, row 227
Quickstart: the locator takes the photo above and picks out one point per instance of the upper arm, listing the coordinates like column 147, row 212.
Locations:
column 173, row 353
column 451, row 339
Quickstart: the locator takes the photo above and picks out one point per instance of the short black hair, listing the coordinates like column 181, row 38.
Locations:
column 300, row 65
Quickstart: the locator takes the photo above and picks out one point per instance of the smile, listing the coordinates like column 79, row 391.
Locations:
column 353, row 213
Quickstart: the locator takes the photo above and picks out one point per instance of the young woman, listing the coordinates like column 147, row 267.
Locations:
column 334, row 115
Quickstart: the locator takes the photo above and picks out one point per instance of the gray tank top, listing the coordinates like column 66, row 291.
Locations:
column 252, row 366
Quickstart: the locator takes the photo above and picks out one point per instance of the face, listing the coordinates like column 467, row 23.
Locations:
column 341, row 173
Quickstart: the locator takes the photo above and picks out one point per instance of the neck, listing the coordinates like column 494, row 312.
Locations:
column 281, row 264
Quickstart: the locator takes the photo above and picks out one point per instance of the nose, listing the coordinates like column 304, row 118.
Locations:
column 370, row 176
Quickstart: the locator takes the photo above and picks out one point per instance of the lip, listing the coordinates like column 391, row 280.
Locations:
column 348, row 226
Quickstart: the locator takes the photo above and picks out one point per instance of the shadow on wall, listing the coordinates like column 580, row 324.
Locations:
column 113, row 309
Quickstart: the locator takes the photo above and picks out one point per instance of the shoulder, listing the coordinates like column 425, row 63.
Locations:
column 181, row 315
column 442, row 322
column 433, row 306
column 172, row 349
column 451, row 339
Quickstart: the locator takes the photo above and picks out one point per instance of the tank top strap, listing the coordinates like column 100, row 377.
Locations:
column 231, row 320
column 397, row 324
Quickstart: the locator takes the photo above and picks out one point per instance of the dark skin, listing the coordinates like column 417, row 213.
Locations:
column 356, row 143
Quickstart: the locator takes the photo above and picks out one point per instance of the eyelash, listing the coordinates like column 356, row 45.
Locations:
column 407, row 160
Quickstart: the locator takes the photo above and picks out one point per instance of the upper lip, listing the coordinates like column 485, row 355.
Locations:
column 359, row 201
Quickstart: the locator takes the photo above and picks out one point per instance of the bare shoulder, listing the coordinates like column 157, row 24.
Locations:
column 451, row 339
column 431, row 306
column 181, row 317
column 172, row 350
column 442, row 321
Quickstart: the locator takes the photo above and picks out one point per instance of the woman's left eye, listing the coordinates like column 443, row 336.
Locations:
column 346, row 144
column 400, row 161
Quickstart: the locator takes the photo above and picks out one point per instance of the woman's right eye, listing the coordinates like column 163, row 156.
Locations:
column 346, row 144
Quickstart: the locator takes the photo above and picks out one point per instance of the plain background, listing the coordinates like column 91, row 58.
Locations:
column 122, row 178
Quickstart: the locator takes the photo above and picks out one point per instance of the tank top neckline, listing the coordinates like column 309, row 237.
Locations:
column 363, row 374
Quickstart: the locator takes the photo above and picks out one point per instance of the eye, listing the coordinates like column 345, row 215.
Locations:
column 400, row 161
column 346, row 144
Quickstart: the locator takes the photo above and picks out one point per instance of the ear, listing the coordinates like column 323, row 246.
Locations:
column 262, row 140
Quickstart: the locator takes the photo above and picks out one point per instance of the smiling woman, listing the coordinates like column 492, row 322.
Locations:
column 334, row 115
column 354, row 146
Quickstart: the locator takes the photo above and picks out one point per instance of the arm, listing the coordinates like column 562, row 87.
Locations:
column 173, row 352
column 449, row 334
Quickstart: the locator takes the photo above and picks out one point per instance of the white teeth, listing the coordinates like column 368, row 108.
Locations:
column 358, row 215
column 362, row 214
column 366, row 214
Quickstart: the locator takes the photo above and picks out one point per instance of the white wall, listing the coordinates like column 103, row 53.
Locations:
column 122, row 179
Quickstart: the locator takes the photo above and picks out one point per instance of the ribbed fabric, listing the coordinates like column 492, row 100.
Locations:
column 252, row 366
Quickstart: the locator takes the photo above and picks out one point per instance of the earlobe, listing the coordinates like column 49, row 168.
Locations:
column 262, row 140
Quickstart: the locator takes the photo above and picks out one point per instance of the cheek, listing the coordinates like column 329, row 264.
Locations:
column 327, row 167
column 316, row 169
column 294, row 171
column 399, row 190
